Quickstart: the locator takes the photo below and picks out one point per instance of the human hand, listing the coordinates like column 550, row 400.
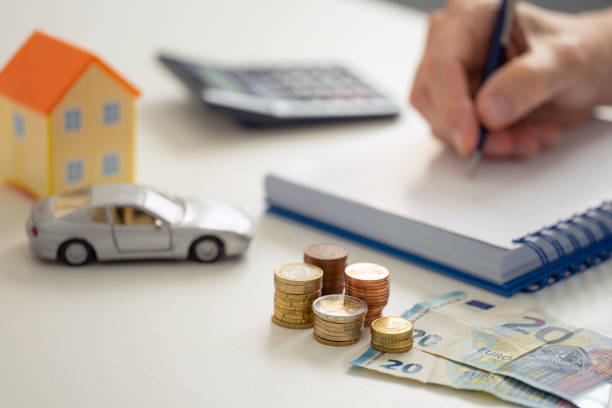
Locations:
column 560, row 70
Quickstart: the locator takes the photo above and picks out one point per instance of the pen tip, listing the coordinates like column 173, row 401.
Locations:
column 473, row 163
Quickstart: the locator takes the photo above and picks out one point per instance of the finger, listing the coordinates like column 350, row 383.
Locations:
column 558, row 115
column 519, row 87
column 522, row 141
column 455, row 117
column 419, row 96
column 498, row 145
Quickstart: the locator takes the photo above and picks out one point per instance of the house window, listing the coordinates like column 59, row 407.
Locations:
column 74, row 171
column 110, row 164
column 73, row 120
column 110, row 113
column 18, row 126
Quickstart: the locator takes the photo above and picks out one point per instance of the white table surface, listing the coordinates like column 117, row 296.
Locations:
column 161, row 334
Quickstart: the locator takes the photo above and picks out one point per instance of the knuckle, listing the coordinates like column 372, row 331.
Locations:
column 569, row 54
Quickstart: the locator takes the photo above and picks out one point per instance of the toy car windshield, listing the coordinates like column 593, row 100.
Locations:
column 67, row 203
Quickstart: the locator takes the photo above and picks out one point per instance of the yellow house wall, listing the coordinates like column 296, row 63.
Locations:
column 24, row 160
column 95, row 138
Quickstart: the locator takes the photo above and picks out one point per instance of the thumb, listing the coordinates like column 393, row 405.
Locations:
column 520, row 86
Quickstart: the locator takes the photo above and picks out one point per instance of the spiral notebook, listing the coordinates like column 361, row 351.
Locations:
column 519, row 225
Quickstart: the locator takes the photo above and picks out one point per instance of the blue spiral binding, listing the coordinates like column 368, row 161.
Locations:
column 561, row 257
column 587, row 261
column 581, row 257
column 575, row 258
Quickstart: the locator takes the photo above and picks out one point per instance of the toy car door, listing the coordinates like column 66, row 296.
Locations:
column 136, row 230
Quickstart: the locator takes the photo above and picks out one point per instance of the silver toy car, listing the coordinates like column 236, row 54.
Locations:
column 128, row 221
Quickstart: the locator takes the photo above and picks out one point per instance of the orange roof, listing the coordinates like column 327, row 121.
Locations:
column 44, row 69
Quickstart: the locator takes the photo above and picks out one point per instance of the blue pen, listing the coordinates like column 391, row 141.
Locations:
column 495, row 59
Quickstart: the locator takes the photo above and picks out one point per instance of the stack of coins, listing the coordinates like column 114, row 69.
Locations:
column 338, row 319
column 332, row 259
column 370, row 283
column 296, row 285
column 392, row 334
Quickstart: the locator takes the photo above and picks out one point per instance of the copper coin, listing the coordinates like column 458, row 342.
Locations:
column 366, row 271
column 325, row 252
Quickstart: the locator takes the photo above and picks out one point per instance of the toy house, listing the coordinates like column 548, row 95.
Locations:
column 67, row 119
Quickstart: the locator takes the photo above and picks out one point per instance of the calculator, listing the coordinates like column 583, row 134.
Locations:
column 276, row 95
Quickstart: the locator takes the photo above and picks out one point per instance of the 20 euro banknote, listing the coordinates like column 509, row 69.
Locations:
column 428, row 368
column 509, row 340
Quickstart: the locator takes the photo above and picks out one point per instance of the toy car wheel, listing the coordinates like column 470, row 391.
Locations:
column 208, row 249
column 75, row 253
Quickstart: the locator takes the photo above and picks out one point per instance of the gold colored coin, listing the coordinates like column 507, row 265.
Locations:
column 291, row 325
column 391, row 350
column 294, row 321
column 297, row 289
column 382, row 341
column 298, row 274
column 335, row 343
column 337, row 335
column 294, row 313
column 332, row 337
column 287, row 312
column 394, row 344
column 392, row 325
column 306, row 305
column 338, row 328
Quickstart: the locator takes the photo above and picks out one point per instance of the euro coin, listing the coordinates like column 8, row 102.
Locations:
column 298, row 274
column 339, row 308
column 294, row 319
column 392, row 344
column 325, row 252
column 392, row 325
column 339, row 327
column 332, row 259
column 376, row 338
column 366, row 272
column 281, row 302
column 391, row 351
column 291, row 325
column 335, row 343
column 287, row 297
column 296, row 289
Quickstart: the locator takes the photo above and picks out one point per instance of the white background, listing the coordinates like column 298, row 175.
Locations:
column 160, row 334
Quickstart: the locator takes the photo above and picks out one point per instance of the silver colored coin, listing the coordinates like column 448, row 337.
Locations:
column 339, row 308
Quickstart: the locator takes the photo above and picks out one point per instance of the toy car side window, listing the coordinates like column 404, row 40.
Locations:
column 98, row 215
column 128, row 215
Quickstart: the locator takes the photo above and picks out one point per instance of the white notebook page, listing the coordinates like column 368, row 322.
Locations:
column 414, row 176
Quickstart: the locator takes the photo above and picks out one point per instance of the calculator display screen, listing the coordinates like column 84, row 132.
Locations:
column 217, row 79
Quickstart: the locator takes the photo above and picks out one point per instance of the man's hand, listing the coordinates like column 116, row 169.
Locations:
column 561, row 67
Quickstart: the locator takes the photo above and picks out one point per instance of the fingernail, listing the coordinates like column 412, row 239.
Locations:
column 457, row 140
column 498, row 109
